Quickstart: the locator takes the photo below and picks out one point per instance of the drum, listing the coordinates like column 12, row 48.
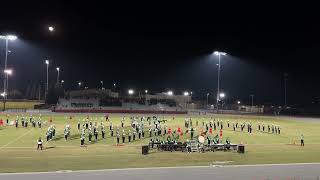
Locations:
column 201, row 139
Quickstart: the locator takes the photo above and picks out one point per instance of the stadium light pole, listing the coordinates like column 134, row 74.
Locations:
column 79, row 84
column 186, row 94
column 130, row 92
column 170, row 93
column 7, row 72
column 7, row 38
column 146, row 94
column 222, row 96
column 58, row 70
column 219, row 54
column 101, row 82
column 47, row 85
column 252, row 95
column 207, row 100
column 114, row 87
column 239, row 102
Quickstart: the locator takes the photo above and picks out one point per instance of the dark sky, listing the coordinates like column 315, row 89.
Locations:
column 166, row 47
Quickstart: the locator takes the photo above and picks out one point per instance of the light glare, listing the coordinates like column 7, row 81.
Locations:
column 12, row 37
column 51, row 28
column 217, row 53
column 8, row 71
column 130, row 91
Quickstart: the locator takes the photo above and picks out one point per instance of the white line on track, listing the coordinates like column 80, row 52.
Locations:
column 151, row 168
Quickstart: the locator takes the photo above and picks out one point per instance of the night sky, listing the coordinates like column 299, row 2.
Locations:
column 161, row 47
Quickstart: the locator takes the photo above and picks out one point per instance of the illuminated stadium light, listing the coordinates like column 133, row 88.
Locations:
column 146, row 91
column 51, row 29
column 8, row 71
column 3, row 94
column 186, row 93
column 47, row 62
column 218, row 53
column 130, row 91
column 238, row 102
column 219, row 95
column 170, row 93
column 9, row 37
column 58, row 69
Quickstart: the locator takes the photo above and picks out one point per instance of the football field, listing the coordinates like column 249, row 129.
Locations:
column 18, row 145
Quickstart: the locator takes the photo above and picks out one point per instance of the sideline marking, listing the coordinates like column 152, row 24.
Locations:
column 155, row 168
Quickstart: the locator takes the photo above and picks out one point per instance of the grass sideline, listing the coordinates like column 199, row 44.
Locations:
column 18, row 146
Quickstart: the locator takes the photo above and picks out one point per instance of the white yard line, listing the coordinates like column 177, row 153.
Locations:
column 15, row 139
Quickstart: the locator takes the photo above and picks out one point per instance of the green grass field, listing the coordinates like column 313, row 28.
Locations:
column 18, row 146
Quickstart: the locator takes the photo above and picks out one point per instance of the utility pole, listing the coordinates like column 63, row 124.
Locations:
column 218, row 87
column 39, row 95
column 208, row 100
column 6, row 77
column 252, row 95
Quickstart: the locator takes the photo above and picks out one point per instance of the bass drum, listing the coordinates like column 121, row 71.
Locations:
column 201, row 139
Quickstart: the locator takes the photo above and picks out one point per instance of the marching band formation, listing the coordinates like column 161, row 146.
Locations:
column 139, row 127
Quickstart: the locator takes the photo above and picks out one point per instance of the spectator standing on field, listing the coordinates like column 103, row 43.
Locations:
column 302, row 140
